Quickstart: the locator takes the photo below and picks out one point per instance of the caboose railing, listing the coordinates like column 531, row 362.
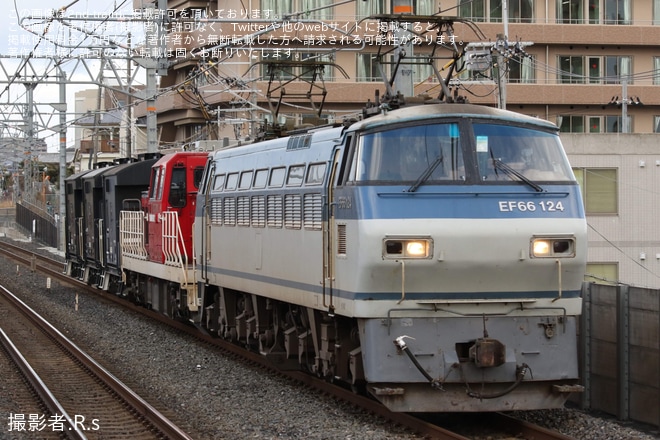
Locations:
column 131, row 234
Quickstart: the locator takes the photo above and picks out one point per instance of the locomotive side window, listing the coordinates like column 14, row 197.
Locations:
column 277, row 177
column 198, row 174
column 409, row 154
column 155, row 175
column 219, row 182
column 246, row 180
column 232, row 180
column 177, row 197
column 535, row 154
column 315, row 174
column 160, row 183
column 295, row 177
column 260, row 178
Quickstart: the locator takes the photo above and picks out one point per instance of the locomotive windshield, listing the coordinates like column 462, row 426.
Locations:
column 436, row 153
column 409, row 153
column 532, row 154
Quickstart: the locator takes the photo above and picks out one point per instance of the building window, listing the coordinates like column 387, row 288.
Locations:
column 367, row 68
column 327, row 70
column 474, row 10
column 595, row 124
column 599, row 189
column 608, row 69
column 602, row 273
column 520, row 11
column 575, row 11
column 276, row 8
column 320, row 9
column 521, row 70
column 617, row 12
column 613, row 124
column 571, row 124
column 571, row 70
column 656, row 12
column 370, row 7
column 656, row 70
column 274, row 64
column 656, row 124
column 426, row 7
column 617, row 69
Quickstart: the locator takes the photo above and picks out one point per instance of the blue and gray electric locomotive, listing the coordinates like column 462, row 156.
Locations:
column 433, row 256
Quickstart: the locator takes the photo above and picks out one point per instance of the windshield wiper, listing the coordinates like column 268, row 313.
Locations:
column 498, row 164
column 426, row 174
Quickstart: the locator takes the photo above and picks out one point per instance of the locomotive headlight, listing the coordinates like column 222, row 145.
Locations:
column 553, row 247
column 407, row 247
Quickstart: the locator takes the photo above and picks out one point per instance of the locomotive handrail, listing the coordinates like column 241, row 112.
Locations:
column 173, row 242
column 131, row 234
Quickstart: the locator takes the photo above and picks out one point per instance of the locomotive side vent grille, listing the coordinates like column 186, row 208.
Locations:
column 229, row 211
column 243, row 214
column 313, row 211
column 216, row 211
column 292, row 211
column 258, row 211
column 341, row 240
column 275, row 213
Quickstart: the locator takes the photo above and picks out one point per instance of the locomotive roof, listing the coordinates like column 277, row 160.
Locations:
column 430, row 111
column 129, row 173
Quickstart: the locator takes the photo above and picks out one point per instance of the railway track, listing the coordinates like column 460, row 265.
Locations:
column 78, row 398
column 498, row 426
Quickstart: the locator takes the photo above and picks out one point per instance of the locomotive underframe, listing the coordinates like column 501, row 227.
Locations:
column 292, row 336
column 540, row 375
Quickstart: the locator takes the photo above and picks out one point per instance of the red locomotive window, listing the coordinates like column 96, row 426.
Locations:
column 177, row 197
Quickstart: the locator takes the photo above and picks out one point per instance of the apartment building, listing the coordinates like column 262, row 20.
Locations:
column 590, row 66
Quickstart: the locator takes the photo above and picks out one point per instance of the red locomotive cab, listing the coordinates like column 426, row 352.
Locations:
column 170, row 206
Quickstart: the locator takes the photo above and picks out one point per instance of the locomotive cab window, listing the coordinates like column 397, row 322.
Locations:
column 177, row 197
column 198, row 175
column 408, row 154
column 506, row 153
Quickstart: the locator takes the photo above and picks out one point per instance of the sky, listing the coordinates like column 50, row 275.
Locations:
column 16, row 42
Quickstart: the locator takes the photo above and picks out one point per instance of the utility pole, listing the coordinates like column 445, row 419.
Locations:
column 624, row 106
column 62, row 109
column 502, row 43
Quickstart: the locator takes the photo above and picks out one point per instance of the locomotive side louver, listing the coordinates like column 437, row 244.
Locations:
column 341, row 240
column 312, row 211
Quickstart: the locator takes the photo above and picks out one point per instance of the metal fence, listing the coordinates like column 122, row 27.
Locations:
column 620, row 352
column 37, row 223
